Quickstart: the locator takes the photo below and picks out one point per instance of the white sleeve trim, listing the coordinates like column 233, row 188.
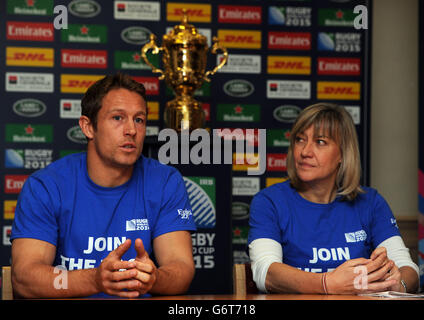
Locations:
column 263, row 252
column 399, row 253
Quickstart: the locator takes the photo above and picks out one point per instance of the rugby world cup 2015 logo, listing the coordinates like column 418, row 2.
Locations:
column 201, row 194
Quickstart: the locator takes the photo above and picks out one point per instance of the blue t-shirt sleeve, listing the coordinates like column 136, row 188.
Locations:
column 175, row 211
column 263, row 220
column 34, row 213
column 383, row 223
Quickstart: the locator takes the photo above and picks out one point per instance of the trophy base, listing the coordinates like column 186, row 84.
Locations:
column 184, row 113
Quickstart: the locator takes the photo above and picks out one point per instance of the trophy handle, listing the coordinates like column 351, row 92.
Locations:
column 155, row 50
column 216, row 46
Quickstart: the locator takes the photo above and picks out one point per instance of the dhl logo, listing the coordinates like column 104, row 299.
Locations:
column 9, row 207
column 195, row 12
column 289, row 65
column 152, row 110
column 77, row 83
column 270, row 181
column 338, row 90
column 240, row 39
column 243, row 161
column 29, row 57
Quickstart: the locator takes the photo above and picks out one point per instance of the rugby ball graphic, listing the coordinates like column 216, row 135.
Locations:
column 203, row 209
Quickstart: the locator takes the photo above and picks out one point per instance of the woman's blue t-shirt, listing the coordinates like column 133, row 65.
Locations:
column 319, row 237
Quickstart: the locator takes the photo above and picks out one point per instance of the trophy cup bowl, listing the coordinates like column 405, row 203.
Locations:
column 184, row 57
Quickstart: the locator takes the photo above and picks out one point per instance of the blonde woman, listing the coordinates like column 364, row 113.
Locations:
column 320, row 231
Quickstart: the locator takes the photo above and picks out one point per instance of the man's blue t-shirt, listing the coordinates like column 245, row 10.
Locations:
column 320, row 237
column 60, row 204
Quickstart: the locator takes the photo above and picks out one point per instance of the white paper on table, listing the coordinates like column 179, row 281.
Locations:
column 392, row 294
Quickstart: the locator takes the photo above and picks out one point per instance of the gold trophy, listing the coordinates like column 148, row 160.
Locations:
column 184, row 58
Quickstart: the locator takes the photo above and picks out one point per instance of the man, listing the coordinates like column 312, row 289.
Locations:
column 100, row 214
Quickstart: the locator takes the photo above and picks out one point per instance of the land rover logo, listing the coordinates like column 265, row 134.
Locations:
column 238, row 88
column 136, row 35
column 75, row 135
column 286, row 113
column 84, row 8
column 29, row 108
column 240, row 210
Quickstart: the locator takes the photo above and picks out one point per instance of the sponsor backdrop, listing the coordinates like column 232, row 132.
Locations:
column 283, row 56
column 421, row 153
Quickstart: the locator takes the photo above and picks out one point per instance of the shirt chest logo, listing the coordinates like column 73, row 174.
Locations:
column 356, row 236
column 137, row 225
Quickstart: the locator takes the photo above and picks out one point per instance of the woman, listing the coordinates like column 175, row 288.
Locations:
column 320, row 231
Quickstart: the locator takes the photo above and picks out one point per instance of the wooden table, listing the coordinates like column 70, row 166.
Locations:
column 261, row 306
column 229, row 306
column 225, row 297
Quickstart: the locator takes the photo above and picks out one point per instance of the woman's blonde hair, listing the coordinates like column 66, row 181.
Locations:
column 336, row 123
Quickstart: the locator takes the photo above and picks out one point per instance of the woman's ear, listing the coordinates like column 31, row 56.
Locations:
column 86, row 127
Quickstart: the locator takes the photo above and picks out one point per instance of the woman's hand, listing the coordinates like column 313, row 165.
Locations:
column 394, row 274
column 362, row 275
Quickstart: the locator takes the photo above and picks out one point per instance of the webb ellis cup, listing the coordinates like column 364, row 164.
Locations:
column 184, row 56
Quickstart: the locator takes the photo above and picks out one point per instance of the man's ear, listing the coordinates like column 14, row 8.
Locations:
column 86, row 127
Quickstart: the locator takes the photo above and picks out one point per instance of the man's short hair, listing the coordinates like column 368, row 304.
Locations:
column 92, row 99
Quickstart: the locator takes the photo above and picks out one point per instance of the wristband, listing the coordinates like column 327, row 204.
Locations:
column 403, row 284
column 324, row 282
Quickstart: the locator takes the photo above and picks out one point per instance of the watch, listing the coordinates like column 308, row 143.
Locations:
column 403, row 284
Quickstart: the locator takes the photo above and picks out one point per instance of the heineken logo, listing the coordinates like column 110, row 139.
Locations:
column 238, row 88
column 136, row 35
column 239, row 112
column 30, row 7
column 240, row 234
column 84, row 8
column 87, row 33
column 286, row 113
column 133, row 60
column 31, row 133
column 29, row 107
column 278, row 137
column 336, row 17
column 76, row 135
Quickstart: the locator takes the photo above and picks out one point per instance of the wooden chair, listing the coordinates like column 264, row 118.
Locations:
column 6, row 283
column 243, row 280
